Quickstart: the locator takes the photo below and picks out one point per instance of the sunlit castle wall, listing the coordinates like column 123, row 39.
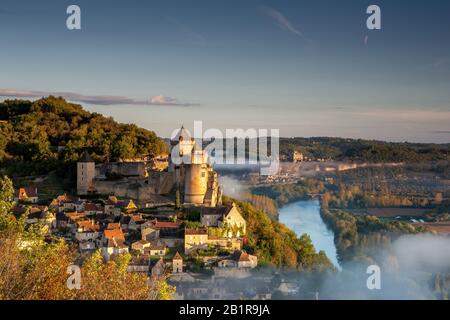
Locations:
column 196, row 183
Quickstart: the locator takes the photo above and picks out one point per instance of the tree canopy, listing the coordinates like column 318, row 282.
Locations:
column 275, row 244
column 46, row 134
column 34, row 264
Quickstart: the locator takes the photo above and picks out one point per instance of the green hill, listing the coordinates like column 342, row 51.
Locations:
column 37, row 137
column 364, row 150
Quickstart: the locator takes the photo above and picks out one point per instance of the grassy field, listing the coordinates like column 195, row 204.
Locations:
column 48, row 186
column 394, row 212
column 438, row 227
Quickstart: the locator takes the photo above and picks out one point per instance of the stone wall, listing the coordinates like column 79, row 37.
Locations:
column 127, row 188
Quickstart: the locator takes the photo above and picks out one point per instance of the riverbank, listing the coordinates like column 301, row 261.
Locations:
column 303, row 216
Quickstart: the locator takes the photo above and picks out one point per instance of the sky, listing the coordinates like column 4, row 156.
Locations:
column 307, row 68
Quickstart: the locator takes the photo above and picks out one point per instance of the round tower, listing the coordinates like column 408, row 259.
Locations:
column 196, row 183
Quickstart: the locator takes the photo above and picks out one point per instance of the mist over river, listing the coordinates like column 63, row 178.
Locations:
column 304, row 217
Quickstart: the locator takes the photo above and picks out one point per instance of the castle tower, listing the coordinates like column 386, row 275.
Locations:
column 85, row 174
column 183, row 141
column 196, row 183
column 177, row 263
column 192, row 172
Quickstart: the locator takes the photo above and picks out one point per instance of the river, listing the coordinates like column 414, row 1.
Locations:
column 304, row 217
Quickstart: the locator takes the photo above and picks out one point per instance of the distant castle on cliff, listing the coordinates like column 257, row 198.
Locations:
column 154, row 180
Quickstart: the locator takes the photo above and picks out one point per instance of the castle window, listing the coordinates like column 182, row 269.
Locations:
column 203, row 174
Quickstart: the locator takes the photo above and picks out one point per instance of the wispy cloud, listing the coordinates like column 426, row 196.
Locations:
column 104, row 100
column 191, row 35
column 366, row 39
column 282, row 22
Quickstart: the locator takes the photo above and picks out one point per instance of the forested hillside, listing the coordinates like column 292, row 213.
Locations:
column 50, row 134
column 364, row 150
column 277, row 245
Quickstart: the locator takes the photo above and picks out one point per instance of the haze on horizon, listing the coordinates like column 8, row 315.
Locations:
column 307, row 68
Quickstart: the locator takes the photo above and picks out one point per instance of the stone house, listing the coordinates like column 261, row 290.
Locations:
column 149, row 233
column 139, row 263
column 87, row 230
column 156, row 249
column 93, row 209
column 140, row 245
column 26, row 195
column 239, row 259
column 112, row 247
column 177, row 263
column 200, row 239
column 224, row 217
column 195, row 239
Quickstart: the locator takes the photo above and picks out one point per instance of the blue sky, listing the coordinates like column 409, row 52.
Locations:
column 301, row 66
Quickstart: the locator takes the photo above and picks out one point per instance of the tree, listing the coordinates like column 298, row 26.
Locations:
column 33, row 265
column 164, row 290
column 32, row 132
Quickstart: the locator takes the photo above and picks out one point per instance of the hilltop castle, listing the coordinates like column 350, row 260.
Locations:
column 193, row 176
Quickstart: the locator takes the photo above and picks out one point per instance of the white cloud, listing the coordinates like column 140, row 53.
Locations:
column 282, row 21
column 158, row 100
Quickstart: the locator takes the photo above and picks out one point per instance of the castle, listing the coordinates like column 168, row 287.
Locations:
column 193, row 177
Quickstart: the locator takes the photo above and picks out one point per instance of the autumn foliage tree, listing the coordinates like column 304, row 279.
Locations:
column 50, row 134
column 34, row 266
column 275, row 244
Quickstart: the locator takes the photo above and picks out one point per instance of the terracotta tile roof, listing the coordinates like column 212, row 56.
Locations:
column 241, row 256
column 74, row 216
column 114, row 234
column 88, row 226
column 112, row 200
column 64, row 198
column 166, row 225
column 158, row 246
column 112, row 226
column 116, row 243
column 93, row 207
column 195, row 231
column 136, row 218
column 177, row 256
column 143, row 242
column 38, row 209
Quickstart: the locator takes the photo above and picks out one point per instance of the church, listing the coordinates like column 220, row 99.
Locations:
column 191, row 176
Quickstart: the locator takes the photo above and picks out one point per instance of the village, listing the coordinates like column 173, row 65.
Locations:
column 178, row 226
